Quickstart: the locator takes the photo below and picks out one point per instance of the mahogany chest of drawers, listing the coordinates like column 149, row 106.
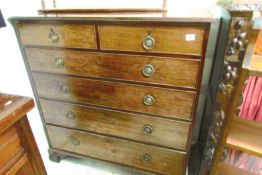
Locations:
column 18, row 150
column 124, row 90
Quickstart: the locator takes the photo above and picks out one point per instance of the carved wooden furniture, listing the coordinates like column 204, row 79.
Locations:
column 18, row 150
column 227, row 130
column 119, row 89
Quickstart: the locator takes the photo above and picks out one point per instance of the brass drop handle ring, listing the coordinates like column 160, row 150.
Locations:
column 59, row 62
column 149, row 43
column 65, row 88
column 148, row 100
column 147, row 158
column 148, row 70
column 70, row 115
column 148, row 129
column 75, row 141
column 53, row 37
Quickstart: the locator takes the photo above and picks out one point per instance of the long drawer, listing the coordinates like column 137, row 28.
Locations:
column 162, row 132
column 175, row 40
column 166, row 102
column 160, row 160
column 146, row 69
column 58, row 35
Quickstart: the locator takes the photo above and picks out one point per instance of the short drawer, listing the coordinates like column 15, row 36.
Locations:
column 151, row 158
column 161, row 132
column 58, row 35
column 156, row 70
column 10, row 148
column 159, row 101
column 173, row 40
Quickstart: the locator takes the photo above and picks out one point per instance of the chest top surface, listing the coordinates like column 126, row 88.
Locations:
column 12, row 108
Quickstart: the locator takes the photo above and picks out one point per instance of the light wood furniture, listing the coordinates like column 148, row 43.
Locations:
column 18, row 149
column 245, row 135
column 228, row 170
column 119, row 89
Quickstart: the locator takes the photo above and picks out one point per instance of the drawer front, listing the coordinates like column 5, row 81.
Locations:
column 166, row 71
column 59, row 35
column 162, row 132
column 10, row 148
column 174, row 40
column 166, row 102
column 133, row 154
column 22, row 167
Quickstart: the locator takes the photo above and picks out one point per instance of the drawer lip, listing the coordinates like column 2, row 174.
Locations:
column 83, row 100
column 185, row 76
column 115, row 142
column 132, row 129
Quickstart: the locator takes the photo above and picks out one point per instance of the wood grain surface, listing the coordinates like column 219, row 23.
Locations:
column 22, row 167
column 12, row 109
column 168, row 102
column 164, row 161
column 70, row 35
column 98, row 11
column 245, row 135
column 165, row 132
column 11, row 149
column 175, row 40
column 168, row 71
column 16, row 138
column 103, row 58
column 230, row 112
column 27, row 138
column 226, row 169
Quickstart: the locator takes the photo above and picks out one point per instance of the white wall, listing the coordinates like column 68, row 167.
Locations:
column 13, row 76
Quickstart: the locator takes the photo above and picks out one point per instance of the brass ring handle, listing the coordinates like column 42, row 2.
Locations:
column 75, row 141
column 53, row 37
column 65, row 88
column 147, row 158
column 59, row 62
column 148, row 100
column 148, row 129
column 70, row 115
column 148, row 70
column 149, row 43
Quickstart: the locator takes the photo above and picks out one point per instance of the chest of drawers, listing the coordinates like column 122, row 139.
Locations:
column 117, row 89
